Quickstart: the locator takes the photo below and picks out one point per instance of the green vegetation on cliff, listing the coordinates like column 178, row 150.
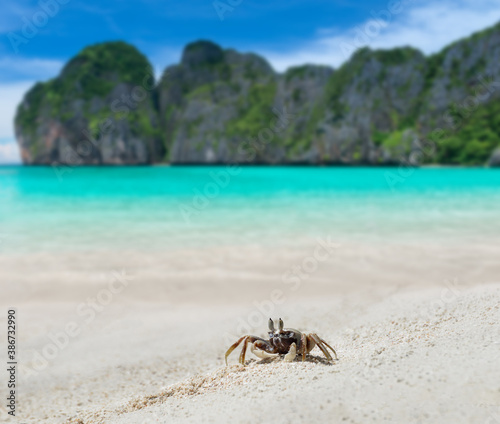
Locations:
column 93, row 73
column 27, row 114
column 105, row 85
column 254, row 111
column 95, row 69
column 475, row 137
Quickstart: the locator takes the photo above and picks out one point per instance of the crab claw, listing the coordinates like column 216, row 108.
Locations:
column 262, row 354
column 292, row 353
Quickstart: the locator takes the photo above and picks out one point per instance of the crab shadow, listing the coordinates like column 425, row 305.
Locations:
column 309, row 358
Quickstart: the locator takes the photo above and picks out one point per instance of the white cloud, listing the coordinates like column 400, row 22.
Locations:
column 12, row 95
column 9, row 152
column 16, row 68
column 426, row 25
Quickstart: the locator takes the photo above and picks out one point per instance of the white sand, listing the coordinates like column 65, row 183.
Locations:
column 416, row 328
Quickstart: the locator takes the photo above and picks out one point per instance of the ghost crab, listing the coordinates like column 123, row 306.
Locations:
column 284, row 341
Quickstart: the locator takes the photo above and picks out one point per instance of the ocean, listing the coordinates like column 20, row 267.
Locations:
column 154, row 208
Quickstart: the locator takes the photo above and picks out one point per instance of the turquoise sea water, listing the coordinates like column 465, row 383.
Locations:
column 168, row 207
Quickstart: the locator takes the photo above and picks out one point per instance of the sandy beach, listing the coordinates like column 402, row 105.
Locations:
column 107, row 339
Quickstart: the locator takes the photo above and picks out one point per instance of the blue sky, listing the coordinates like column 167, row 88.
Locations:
column 38, row 37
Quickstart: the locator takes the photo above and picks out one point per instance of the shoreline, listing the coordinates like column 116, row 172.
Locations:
column 256, row 165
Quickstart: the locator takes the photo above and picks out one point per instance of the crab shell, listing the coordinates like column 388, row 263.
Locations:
column 283, row 339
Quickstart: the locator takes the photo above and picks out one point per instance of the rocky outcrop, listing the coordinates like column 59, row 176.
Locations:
column 99, row 110
column 221, row 106
column 381, row 107
column 368, row 105
column 461, row 99
column 211, row 101
column 495, row 158
column 217, row 105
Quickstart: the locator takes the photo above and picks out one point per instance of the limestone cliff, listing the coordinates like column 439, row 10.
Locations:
column 220, row 106
column 99, row 110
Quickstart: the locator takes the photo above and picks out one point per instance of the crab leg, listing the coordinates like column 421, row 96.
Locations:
column 303, row 346
column 292, row 353
column 316, row 338
column 247, row 339
column 332, row 349
column 244, row 351
column 234, row 346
